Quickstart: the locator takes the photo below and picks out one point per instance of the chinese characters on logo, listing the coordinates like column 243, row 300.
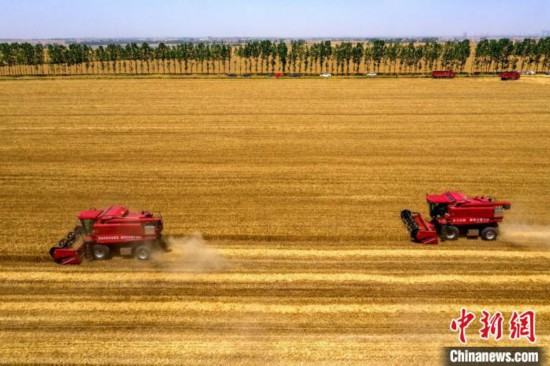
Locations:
column 462, row 323
column 492, row 325
column 521, row 325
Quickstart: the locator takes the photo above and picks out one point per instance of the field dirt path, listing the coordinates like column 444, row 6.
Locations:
column 296, row 188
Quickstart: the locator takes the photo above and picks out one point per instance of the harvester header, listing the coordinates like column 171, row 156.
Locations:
column 452, row 215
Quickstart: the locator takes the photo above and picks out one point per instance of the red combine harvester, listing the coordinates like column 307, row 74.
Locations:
column 445, row 74
column 454, row 214
column 514, row 75
column 102, row 233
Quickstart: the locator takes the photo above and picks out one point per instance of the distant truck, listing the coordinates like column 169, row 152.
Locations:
column 443, row 74
column 512, row 75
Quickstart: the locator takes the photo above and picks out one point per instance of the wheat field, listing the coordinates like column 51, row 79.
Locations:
column 282, row 201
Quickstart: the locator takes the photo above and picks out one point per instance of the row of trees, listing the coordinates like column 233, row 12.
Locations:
column 265, row 56
column 115, row 58
column 504, row 54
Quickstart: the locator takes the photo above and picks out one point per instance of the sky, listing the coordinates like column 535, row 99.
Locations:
column 35, row 19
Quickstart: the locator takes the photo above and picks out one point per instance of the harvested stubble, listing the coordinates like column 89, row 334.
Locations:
column 297, row 184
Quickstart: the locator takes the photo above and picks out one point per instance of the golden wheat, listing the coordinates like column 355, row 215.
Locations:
column 296, row 186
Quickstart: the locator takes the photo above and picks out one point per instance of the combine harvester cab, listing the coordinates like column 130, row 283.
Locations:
column 454, row 215
column 114, row 230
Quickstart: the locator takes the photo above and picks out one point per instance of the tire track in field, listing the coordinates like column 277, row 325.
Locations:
column 206, row 278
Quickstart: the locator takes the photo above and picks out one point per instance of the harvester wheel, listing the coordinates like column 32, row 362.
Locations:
column 451, row 232
column 101, row 251
column 143, row 252
column 489, row 234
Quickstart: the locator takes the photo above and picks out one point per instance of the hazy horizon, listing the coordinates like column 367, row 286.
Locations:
column 49, row 19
